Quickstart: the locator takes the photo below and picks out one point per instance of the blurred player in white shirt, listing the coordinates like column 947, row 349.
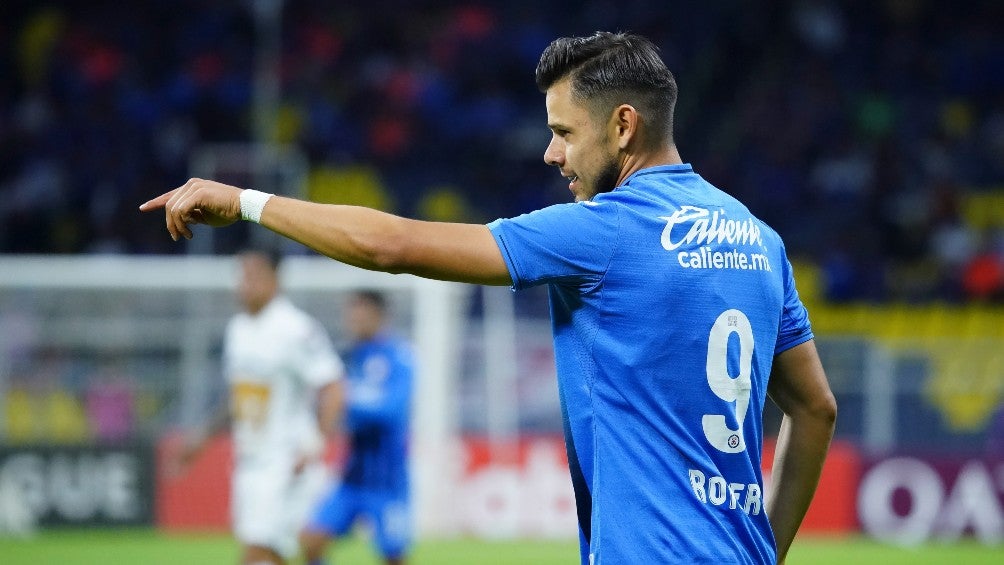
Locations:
column 285, row 388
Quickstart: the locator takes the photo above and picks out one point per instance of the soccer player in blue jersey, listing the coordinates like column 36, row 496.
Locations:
column 674, row 315
column 374, row 483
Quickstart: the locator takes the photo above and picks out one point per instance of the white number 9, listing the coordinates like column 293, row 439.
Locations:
column 730, row 389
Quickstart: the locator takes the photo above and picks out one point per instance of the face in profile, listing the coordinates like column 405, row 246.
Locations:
column 582, row 144
column 258, row 282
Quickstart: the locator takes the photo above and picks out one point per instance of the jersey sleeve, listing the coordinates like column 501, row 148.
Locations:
column 795, row 328
column 563, row 244
column 317, row 362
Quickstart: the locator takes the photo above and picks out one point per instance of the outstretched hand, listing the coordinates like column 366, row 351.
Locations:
column 197, row 202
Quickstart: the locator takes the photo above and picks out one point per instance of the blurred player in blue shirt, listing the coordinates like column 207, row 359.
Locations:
column 374, row 484
column 674, row 315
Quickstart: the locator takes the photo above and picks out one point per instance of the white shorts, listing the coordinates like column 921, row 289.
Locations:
column 270, row 504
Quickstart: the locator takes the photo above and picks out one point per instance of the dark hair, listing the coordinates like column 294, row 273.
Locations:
column 608, row 69
column 374, row 298
column 271, row 256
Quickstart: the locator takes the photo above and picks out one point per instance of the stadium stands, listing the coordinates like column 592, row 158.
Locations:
column 868, row 134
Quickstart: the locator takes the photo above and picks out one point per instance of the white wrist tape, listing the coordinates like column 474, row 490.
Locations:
column 252, row 204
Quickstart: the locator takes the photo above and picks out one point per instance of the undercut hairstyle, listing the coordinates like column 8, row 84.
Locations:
column 609, row 69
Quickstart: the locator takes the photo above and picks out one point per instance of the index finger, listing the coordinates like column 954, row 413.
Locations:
column 158, row 202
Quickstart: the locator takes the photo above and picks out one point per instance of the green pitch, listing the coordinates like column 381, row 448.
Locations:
column 130, row 547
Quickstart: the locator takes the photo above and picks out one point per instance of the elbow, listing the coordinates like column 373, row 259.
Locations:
column 386, row 251
column 820, row 412
column 387, row 257
column 825, row 410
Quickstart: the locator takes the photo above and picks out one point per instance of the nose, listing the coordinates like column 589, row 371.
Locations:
column 554, row 155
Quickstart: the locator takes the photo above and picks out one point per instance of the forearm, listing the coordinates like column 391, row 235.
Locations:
column 355, row 235
column 802, row 445
column 379, row 241
column 331, row 408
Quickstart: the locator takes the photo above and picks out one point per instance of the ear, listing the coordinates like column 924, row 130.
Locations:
column 625, row 123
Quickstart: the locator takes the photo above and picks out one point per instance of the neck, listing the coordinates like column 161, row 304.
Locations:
column 634, row 162
column 255, row 309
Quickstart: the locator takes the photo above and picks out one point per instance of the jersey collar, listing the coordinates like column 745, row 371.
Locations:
column 679, row 168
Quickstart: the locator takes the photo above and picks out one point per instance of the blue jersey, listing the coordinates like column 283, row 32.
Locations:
column 377, row 414
column 669, row 301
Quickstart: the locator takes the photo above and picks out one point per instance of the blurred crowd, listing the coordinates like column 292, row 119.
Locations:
column 862, row 131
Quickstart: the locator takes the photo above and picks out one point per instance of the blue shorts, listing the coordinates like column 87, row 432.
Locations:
column 389, row 515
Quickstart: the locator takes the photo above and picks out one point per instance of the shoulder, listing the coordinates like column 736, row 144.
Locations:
column 292, row 319
column 594, row 220
column 570, row 211
column 395, row 347
column 390, row 341
column 235, row 324
column 739, row 210
column 284, row 309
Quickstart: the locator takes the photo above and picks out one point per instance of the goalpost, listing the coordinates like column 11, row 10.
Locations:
column 159, row 320
column 436, row 310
